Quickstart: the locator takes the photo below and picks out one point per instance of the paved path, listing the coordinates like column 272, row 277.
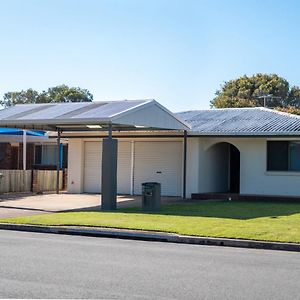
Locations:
column 55, row 266
column 26, row 204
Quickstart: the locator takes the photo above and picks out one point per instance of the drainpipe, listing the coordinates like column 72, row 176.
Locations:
column 184, row 163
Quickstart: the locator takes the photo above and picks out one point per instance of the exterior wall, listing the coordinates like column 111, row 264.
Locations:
column 12, row 156
column 207, row 169
column 214, row 165
column 254, row 177
column 192, row 166
column 76, row 160
column 5, row 156
column 29, row 156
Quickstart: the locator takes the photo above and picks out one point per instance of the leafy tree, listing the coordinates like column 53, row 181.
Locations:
column 61, row 93
column 289, row 109
column 293, row 98
column 249, row 91
column 12, row 98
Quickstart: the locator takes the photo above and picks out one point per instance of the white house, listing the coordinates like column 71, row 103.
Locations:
column 247, row 151
column 252, row 151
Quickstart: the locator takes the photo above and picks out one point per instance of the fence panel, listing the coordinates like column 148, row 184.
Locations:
column 45, row 180
column 15, row 181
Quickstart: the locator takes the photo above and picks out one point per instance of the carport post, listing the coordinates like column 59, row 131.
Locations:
column 58, row 162
column 109, row 172
column 24, row 150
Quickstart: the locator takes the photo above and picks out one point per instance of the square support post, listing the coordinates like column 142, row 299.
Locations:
column 109, row 173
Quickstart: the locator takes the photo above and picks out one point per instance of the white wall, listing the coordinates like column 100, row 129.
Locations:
column 192, row 166
column 214, row 168
column 254, row 178
column 206, row 171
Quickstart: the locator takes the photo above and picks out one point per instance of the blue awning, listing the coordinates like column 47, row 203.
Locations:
column 14, row 131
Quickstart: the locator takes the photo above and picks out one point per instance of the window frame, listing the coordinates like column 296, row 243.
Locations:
column 281, row 172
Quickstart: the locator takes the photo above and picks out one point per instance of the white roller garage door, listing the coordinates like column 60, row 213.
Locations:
column 92, row 167
column 159, row 162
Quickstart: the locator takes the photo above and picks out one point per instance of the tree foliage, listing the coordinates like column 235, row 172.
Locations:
column 61, row 93
column 249, row 91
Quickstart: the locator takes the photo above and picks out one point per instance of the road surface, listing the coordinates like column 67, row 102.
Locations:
column 35, row 265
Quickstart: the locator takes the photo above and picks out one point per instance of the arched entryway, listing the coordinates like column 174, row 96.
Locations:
column 223, row 168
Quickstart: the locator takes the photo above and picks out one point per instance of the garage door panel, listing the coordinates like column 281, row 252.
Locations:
column 93, row 167
column 124, row 165
column 160, row 162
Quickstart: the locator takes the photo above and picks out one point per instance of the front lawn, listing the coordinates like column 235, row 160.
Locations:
column 244, row 220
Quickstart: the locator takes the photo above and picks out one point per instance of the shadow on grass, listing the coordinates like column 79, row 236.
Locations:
column 241, row 210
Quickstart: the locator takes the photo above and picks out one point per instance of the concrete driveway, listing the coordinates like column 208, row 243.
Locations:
column 26, row 204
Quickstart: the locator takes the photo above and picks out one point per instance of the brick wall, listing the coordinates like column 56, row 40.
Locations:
column 11, row 157
column 29, row 155
column 5, row 156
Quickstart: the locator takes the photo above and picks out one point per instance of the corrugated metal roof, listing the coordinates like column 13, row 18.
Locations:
column 77, row 110
column 122, row 114
column 241, row 121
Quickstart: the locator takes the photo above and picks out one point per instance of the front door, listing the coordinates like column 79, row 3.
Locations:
column 234, row 170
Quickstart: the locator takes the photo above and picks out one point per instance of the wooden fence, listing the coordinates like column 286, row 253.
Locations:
column 45, row 180
column 29, row 180
column 15, row 181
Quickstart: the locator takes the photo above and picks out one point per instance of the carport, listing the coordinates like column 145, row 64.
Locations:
column 108, row 116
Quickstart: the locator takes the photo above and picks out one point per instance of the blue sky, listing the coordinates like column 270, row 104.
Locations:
column 178, row 52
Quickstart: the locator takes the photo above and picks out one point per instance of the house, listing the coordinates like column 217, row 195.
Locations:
column 248, row 151
column 40, row 150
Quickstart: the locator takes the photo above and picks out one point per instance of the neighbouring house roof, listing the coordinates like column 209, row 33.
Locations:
column 123, row 115
column 257, row 121
column 14, row 131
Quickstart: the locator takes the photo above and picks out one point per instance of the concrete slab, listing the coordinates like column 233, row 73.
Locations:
column 26, row 204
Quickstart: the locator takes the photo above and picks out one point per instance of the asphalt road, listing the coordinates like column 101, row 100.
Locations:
column 34, row 265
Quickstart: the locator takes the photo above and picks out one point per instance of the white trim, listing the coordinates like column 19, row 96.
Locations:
column 125, row 111
column 24, row 150
column 282, row 173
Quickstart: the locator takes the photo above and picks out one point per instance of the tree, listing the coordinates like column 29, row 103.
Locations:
column 12, row 98
column 293, row 99
column 249, row 92
column 61, row 93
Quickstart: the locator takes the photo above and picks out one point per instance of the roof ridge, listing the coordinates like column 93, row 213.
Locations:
column 224, row 108
column 87, row 102
column 281, row 113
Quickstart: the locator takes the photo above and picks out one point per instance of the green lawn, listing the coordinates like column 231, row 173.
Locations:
column 245, row 220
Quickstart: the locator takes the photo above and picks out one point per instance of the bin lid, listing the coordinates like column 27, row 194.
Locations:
column 150, row 183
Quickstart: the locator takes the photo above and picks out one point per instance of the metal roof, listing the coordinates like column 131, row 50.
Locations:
column 14, row 131
column 123, row 114
column 257, row 121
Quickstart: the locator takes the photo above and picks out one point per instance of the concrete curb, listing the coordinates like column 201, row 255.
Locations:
column 151, row 236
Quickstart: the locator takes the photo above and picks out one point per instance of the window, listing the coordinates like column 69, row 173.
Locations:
column 283, row 156
column 47, row 155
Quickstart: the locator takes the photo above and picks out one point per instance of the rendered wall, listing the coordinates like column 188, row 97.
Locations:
column 254, row 178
